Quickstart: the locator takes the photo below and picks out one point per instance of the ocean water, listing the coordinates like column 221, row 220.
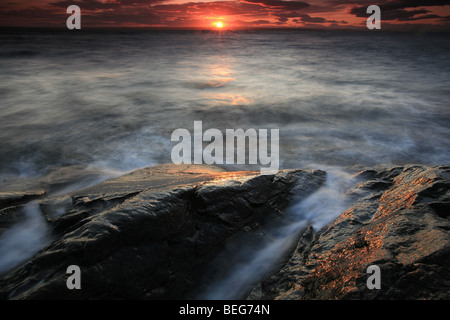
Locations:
column 107, row 102
column 111, row 99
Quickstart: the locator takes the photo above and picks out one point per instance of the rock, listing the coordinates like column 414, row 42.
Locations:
column 399, row 223
column 149, row 234
column 9, row 199
column 56, row 180
column 11, row 204
column 162, row 232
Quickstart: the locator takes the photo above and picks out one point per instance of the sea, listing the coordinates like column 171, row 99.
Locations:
column 111, row 99
column 108, row 101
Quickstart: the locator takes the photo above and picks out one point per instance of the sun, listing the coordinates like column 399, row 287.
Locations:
column 218, row 24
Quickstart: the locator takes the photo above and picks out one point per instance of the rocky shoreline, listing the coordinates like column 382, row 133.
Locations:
column 166, row 232
column 400, row 224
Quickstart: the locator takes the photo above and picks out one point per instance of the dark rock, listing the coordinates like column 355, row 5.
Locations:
column 10, row 216
column 161, row 232
column 11, row 199
column 147, row 234
column 11, row 204
column 404, row 230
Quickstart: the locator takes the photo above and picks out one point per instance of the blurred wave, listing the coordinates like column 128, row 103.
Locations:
column 25, row 238
column 112, row 98
column 316, row 210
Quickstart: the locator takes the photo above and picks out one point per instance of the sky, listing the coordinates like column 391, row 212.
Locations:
column 233, row 14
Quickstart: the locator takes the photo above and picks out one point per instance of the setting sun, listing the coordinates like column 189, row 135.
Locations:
column 219, row 24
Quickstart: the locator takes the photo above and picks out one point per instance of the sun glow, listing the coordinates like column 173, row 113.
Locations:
column 218, row 24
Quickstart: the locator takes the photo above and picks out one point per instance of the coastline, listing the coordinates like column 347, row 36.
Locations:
column 161, row 232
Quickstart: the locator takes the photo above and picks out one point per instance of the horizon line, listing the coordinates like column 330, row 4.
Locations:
column 348, row 29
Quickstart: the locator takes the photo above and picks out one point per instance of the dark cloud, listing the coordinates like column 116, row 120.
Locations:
column 403, row 4
column 398, row 10
column 125, row 17
column 86, row 4
column 95, row 4
column 280, row 4
column 255, row 23
column 94, row 14
column 138, row 2
column 307, row 18
column 303, row 17
column 403, row 15
column 215, row 7
column 33, row 16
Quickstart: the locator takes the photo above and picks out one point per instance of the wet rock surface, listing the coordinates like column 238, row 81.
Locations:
column 11, row 204
column 399, row 221
column 161, row 232
column 149, row 234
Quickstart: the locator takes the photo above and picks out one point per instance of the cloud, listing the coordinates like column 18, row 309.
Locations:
column 199, row 14
column 403, row 4
column 95, row 4
column 87, row 4
column 215, row 7
column 307, row 18
column 281, row 4
column 253, row 23
column 400, row 10
column 304, row 18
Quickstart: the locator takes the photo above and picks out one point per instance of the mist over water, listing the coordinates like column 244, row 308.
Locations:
column 106, row 102
column 112, row 99
column 25, row 238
